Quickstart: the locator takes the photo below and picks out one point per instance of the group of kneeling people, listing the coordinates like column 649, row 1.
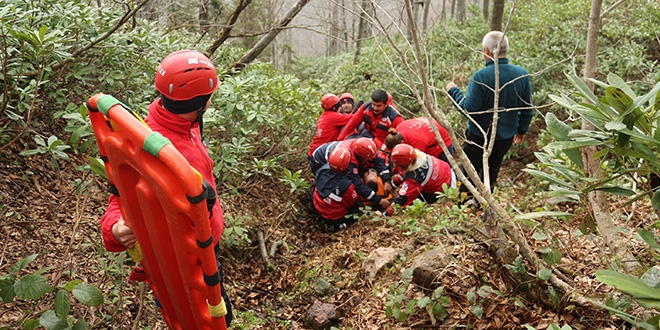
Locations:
column 358, row 158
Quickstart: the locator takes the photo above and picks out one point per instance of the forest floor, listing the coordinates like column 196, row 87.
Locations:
column 44, row 211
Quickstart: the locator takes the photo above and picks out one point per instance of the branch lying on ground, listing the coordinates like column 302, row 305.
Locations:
column 262, row 248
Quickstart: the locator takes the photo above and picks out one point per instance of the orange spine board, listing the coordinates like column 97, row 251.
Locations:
column 153, row 198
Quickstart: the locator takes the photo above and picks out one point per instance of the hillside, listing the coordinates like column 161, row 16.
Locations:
column 61, row 224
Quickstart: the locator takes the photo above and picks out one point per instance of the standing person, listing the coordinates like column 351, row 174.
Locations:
column 514, row 109
column 377, row 117
column 329, row 124
column 423, row 176
column 186, row 80
column 418, row 133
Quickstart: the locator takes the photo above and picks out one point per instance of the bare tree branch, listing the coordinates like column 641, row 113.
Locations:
column 252, row 54
column 229, row 25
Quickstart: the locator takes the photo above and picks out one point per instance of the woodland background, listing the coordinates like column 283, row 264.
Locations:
column 572, row 217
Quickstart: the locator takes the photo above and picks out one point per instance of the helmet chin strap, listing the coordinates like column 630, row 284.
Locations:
column 200, row 120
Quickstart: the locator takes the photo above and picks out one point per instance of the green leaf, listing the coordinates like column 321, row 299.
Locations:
column 617, row 191
column 42, row 32
column 399, row 315
column 22, row 263
column 88, row 294
column 563, row 145
column 539, row 236
column 617, row 99
column 30, row 324
column 7, row 288
column 548, row 177
column 560, row 131
column 62, row 304
column 628, row 284
column 552, row 257
column 649, row 238
column 534, row 215
column 615, row 125
column 424, row 301
column 50, row 321
column 477, row 311
column 31, row 287
column 81, row 325
column 616, row 81
column 652, row 277
column 545, row 274
column 655, row 200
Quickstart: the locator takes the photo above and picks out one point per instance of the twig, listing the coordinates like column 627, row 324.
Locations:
column 262, row 248
column 139, row 313
column 274, row 247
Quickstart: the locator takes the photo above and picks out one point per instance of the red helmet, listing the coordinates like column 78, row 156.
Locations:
column 339, row 159
column 329, row 102
column 390, row 100
column 346, row 96
column 403, row 155
column 186, row 74
column 365, row 148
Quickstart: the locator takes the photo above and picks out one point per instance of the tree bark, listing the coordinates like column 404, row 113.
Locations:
column 425, row 20
column 598, row 203
column 460, row 9
column 228, row 26
column 498, row 13
column 204, row 16
column 485, row 9
column 364, row 10
column 252, row 54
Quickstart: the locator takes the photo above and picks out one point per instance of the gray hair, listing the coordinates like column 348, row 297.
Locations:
column 492, row 38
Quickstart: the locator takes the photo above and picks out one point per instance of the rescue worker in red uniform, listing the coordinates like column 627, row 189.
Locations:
column 347, row 102
column 186, row 80
column 423, row 176
column 377, row 117
column 418, row 133
column 329, row 124
column 363, row 151
column 335, row 197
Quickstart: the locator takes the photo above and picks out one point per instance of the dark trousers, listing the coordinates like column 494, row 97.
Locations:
column 474, row 153
column 225, row 297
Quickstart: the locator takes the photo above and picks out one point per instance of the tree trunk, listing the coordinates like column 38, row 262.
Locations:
column 425, row 19
column 498, row 13
column 460, row 9
column 364, row 10
column 203, row 16
column 252, row 54
column 228, row 26
column 598, row 203
column 453, row 8
column 333, row 33
column 485, row 9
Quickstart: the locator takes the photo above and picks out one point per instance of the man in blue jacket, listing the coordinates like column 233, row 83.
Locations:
column 514, row 109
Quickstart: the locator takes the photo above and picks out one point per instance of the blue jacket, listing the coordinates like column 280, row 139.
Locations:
column 480, row 97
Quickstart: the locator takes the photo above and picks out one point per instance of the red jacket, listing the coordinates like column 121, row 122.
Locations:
column 418, row 133
column 425, row 175
column 185, row 136
column 335, row 197
column 328, row 127
column 378, row 126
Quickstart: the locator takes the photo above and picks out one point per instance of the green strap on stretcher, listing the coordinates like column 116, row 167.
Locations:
column 152, row 143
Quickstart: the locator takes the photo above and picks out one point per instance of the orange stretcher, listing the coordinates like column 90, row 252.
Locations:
column 163, row 199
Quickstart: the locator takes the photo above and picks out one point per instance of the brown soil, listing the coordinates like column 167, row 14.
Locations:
column 44, row 211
